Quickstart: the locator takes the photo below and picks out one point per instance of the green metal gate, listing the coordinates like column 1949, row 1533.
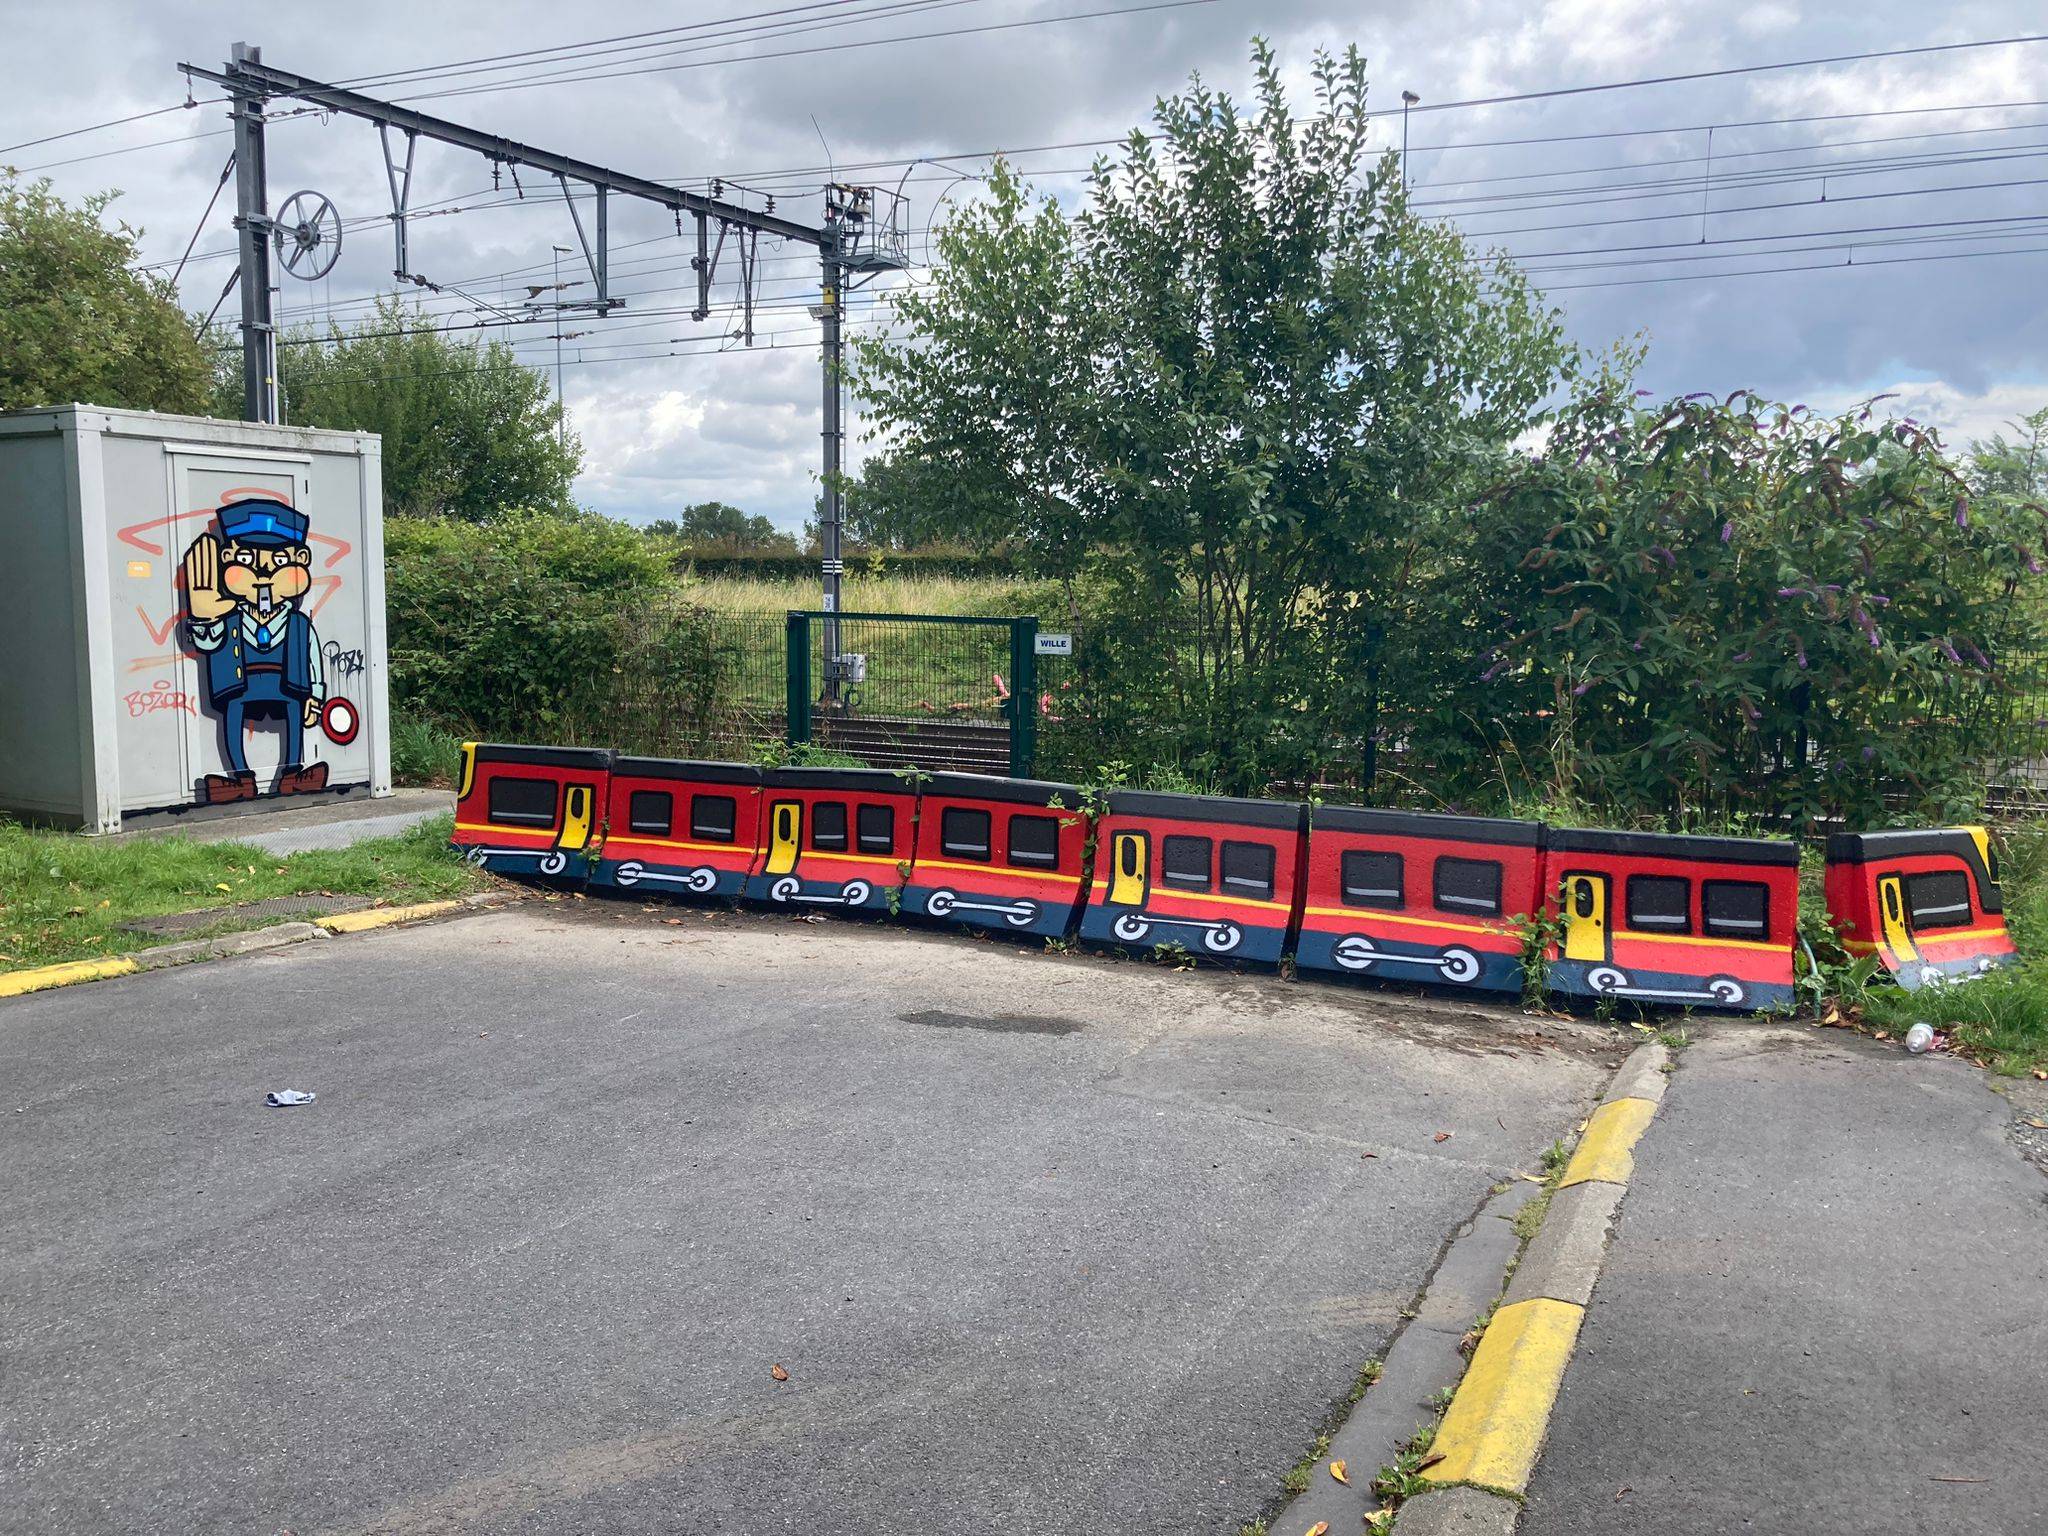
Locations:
column 925, row 690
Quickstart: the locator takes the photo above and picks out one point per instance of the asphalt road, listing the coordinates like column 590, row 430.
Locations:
column 1824, row 1310
column 1042, row 1243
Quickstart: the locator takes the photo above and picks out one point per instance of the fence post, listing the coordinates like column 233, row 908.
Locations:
column 1023, row 697
column 797, row 669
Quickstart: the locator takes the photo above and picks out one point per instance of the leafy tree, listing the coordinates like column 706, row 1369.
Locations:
column 1726, row 608
column 713, row 524
column 2015, row 468
column 1229, row 390
column 469, row 431
column 77, row 322
column 901, row 502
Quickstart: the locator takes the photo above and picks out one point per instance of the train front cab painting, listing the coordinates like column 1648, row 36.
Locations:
column 1663, row 918
column 1214, row 875
column 530, row 810
column 998, row 853
column 680, row 828
column 1926, row 903
column 1419, row 897
column 832, row 837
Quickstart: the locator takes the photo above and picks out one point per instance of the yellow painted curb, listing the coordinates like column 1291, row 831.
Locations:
column 1607, row 1150
column 1495, row 1424
column 384, row 917
column 15, row 983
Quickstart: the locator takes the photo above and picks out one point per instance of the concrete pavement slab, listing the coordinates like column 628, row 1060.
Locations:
column 1101, row 1250
column 1823, row 1310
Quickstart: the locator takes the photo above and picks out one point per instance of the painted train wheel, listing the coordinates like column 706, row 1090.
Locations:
column 856, row 893
column 1130, row 926
column 553, row 862
column 1606, row 978
column 1023, row 915
column 628, row 874
column 940, row 903
column 785, row 889
column 1460, row 966
column 1223, row 938
column 702, row 880
column 1354, row 952
column 1725, row 990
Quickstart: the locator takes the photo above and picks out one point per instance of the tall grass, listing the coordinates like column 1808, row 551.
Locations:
column 858, row 593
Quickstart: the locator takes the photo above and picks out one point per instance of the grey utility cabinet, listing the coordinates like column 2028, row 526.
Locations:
column 190, row 602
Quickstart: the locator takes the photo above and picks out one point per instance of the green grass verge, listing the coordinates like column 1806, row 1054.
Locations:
column 63, row 896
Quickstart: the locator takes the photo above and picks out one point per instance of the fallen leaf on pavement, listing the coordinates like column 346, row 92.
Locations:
column 778, row 1373
column 2039, row 1125
column 1380, row 1519
column 1320, row 1528
column 1340, row 1472
column 2043, row 1076
column 1442, row 1136
column 1533, row 1178
column 1429, row 1461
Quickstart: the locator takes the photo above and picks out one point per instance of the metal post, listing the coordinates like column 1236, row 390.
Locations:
column 797, row 678
column 561, row 400
column 1408, row 99
column 831, row 510
column 252, row 228
column 1023, row 697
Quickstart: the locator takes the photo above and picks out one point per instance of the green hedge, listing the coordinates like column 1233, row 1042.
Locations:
column 970, row 564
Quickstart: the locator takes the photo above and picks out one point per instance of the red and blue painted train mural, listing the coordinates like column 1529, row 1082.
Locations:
column 1651, row 919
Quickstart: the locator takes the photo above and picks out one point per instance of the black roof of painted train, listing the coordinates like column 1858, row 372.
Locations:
column 1475, row 829
column 871, row 781
column 989, row 786
column 681, row 768
column 1249, row 813
column 1863, row 847
column 1672, row 845
column 543, row 757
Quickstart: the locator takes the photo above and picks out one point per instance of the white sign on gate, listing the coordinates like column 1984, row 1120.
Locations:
column 1053, row 645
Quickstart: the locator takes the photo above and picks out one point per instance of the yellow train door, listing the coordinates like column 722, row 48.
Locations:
column 577, row 804
column 1891, row 920
column 1128, row 861
column 785, row 827
column 1586, row 933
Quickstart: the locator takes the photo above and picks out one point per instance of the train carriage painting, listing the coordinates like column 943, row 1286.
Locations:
column 680, row 828
column 1419, row 897
column 833, row 837
column 1926, row 903
column 998, row 853
column 530, row 810
column 1214, row 875
column 1669, row 919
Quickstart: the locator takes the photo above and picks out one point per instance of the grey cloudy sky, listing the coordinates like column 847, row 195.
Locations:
column 1614, row 199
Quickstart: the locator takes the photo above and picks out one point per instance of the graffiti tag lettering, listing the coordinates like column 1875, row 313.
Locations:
column 341, row 663
column 159, row 695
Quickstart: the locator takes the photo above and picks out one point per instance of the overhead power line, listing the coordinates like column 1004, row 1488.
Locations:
column 112, row 122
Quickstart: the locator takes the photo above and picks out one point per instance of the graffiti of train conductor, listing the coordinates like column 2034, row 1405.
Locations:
column 262, row 658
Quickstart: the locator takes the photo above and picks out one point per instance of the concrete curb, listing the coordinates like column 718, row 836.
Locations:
column 249, row 941
column 1492, row 1433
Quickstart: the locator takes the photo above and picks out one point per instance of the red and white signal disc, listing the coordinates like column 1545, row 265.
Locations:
column 340, row 721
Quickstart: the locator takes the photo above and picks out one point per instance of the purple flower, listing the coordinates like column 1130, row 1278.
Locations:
column 1741, row 656
column 2033, row 566
column 1492, row 672
column 1962, row 513
column 1582, row 688
column 1644, row 394
column 1799, row 656
column 1949, row 650
column 1979, row 657
column 1727, row 532
column 1665, row 555
column 1750, row 710
column 1869, row 753
column 1793, row 592
column 1878, row 600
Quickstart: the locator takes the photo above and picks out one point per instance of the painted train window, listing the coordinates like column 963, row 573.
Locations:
column 1940, row 899
column 1184, row 862
column 1373, row 879
column 1660, row 903
column 713, row 818
column 1466, row 885
column 828, row 825
column 1248, row 870
column 651, row 811
column 963, row 834
column 1735, row 909
column 523, row 802
column 1035, row 840
column 876, row 825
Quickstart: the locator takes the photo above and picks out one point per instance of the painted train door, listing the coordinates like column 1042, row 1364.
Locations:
column 576, row 818
column 1891, row 918
column 1586, row 935
column 785, row 828
column 1128, row 860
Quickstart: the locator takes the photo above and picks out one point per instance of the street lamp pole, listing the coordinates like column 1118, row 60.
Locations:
column 1408, row 99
